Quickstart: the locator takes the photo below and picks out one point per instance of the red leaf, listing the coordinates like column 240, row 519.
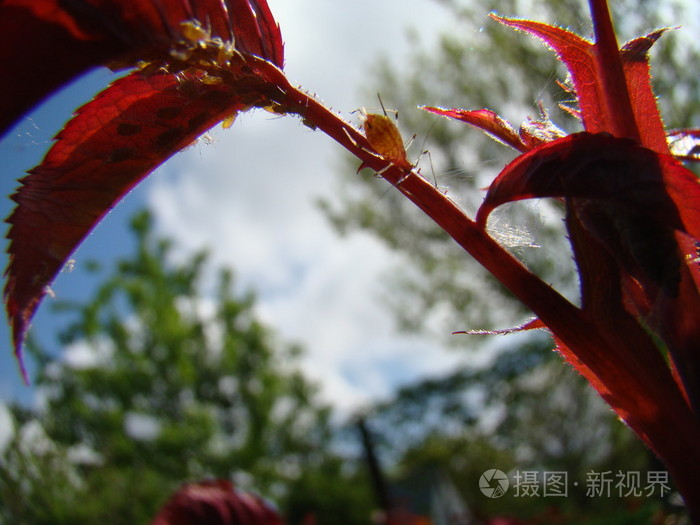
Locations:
column 262, row 36
column 215, row 502
column 135, row 124
column 46, row 43
column 641, row 198
column 598, row 166
column 112, row 144
column 532, row 133
column 532, row 324
column 579, row 56
column 488, row 121
column 614, row 93
column 634, row 204
column 635, row 61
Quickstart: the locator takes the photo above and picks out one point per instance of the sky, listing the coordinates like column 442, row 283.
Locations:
column 249, row 195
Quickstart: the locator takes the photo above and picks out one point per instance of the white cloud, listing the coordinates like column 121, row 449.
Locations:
column 249, row 197
column 329, row 45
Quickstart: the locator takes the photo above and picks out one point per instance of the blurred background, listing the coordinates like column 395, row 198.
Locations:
column 256, row 307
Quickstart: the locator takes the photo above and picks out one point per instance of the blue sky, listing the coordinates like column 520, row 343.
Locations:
column 255, row 211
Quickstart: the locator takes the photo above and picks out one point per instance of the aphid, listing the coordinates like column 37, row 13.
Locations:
column 228, row 121
column 385, row 138
column 226, row 51
column 195, row 32
column 199, row 45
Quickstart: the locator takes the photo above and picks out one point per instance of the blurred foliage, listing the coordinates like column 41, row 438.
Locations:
column 521, row 412
column 161, row 385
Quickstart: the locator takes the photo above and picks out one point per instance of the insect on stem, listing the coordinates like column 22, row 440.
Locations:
column 384, row 137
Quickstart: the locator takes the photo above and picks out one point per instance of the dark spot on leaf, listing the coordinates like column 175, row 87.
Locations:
column 217, row 98
column 197, row 121
column 168, row 113
column 168, row 138
column 120, row 154
column 189, row 88
column 126, row 129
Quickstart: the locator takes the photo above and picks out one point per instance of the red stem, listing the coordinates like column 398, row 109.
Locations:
column 611, row 73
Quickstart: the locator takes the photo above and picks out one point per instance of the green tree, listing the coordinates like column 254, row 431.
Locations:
column 176, row 387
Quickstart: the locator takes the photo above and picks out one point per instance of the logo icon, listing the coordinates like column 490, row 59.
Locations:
column 493, row 483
